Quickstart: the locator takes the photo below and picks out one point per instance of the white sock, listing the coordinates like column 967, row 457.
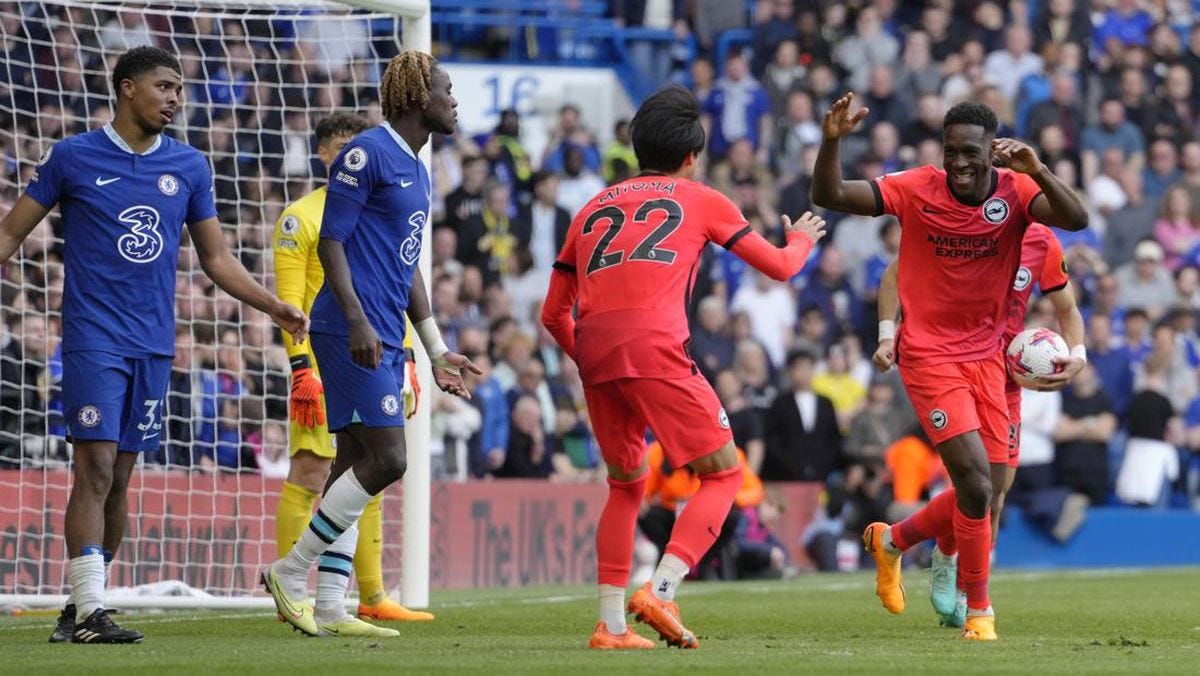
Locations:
column 667, row 577
column 612, row 608
column 889, row 544
column 333, row 576
column 87, row 584
column 340, row 508
column 975, row 612
column 107, row 570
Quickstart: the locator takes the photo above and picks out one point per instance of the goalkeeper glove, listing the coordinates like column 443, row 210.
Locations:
column 412, row 386
column 307, row 391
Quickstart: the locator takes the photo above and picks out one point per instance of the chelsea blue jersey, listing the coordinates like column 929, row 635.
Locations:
column 122, row 215
column 378, row 202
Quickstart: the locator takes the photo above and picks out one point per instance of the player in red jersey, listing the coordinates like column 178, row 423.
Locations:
column 630, row 261
column 1042, row 265
column 960, row 249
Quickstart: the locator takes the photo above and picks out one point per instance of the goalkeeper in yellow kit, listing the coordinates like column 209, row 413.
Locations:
column 298, row 278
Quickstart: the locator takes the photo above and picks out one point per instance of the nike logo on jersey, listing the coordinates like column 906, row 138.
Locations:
column 930, row 210
column 105, row 181
column 404, row 183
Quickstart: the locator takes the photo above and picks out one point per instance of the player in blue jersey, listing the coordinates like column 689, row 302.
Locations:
column 375, row 217
column 124, row 192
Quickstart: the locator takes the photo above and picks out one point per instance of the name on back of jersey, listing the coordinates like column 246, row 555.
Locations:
column 664, row 186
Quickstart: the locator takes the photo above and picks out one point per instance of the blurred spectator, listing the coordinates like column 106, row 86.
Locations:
column 620, row 149
column 489, row 447
column 547, row 221
column 916, row 468
column 802, row 438
column 510, row 161
column 1162, row 169
column 712, row 17
column 466, row 201
column 876, row 427
column 1178, row 227
column 577, row 183
column 888, row 235
column 1062, row 22
column 745, row 421
column 772, row 313
column 1113, row 131
column 918, row 74
column 838, row 385
column 1062, row 109
column 737, row 107
column 711, row 345
column 1126, row 24
column 783, row 75
column 1125, row 227
column 753, row 370
column 867, row 47
column 1084, row 429
column 1167, row 357
column 830, row 290
column 887, row 103
column 23, row 369
column 1171, row 117
column 799, row 130
column 1112, row 362
column 1109, row 190
column 1007, row 67
column 760, row 554
column 489, row 240
column 651, row 57
column 928, row 123
column 771, row 30
column 570, row 131
column 1145, row 283
column 1151, row 461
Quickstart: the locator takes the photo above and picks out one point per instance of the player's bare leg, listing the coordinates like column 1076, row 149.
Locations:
column 95, row 466
column 695, row 531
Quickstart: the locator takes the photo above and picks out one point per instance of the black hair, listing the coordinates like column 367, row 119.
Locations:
column 539, row 177
column 340, row 124
column 972, row 113
column 800, row 354
column 140, row 60
column 666, row 129
column 1132, row 312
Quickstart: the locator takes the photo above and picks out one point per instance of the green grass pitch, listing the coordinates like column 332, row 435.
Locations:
column 1049, row 622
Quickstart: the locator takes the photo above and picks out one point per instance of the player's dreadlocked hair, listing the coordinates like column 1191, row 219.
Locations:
column 666, row 129
column 406, row 83
column 972, row 113
column 340, row 124
column 141, row 60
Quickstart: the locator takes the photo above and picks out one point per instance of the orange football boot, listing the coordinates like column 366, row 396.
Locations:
column 662, row 616
column 980, row 628
column 389, row 610
column 603, row 639
column 889, row 586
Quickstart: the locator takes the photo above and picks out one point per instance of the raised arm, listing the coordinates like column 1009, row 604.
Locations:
column 888, row 306
column 829, row 189
column 1058, row 205
column 18, row 223
column 781, row 263
column 227, row 272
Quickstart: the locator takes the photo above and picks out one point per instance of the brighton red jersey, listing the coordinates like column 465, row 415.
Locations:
column 634, row 250
column 1042, row 265
column 957, row 262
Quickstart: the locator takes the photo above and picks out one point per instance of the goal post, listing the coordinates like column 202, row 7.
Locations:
column 258, row 73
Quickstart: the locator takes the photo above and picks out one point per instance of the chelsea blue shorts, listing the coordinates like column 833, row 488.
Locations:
column 108, row 397
column 356, row 395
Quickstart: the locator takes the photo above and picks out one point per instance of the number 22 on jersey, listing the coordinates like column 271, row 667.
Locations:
column 647, row 249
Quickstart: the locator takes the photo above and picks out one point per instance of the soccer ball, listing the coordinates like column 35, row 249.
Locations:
column 1032, row 353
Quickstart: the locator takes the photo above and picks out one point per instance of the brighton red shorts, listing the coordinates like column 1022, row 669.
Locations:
column 956, row 398
column 1012, row 392
column 684, row 414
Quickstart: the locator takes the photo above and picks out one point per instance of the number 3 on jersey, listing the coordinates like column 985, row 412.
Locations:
column 647, row 249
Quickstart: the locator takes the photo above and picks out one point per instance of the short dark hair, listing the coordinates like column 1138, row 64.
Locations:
column 340, row 124
column 539, row 177
column 800, row 354
column 973, row 113
column 666, row 129
column 141, row 60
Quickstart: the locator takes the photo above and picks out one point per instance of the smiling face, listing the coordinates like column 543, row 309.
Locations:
column 153, row 97
column 967, row 159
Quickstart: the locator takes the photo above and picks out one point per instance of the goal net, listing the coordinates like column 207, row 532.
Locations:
column 257, row 77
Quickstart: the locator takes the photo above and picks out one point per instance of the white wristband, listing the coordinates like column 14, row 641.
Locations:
column 887, row 330
column 431, row 337
column 1079, row 352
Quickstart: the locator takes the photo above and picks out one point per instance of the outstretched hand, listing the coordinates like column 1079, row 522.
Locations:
column 447, row 373
column 291, row 319
column 808, row 223
column 838, row 121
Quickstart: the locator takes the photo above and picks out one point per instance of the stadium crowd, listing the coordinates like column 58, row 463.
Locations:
column 1106, row 91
